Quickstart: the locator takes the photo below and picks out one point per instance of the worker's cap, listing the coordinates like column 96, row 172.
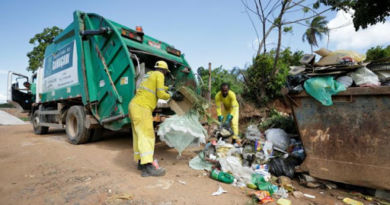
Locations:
column 162, row 65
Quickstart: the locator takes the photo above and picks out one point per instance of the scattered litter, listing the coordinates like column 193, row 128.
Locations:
column 233, row 165
column 222, row 176
column 219, row 191
column 313, row 185
column 117, row 198
column 285, row 183
column 309, row 196
column 182, row 182
column 262, row 196
column 278, row 137
column 281, row 193
column 297, row 194
column 283, row 202
column 350, row 201
column 199, row 164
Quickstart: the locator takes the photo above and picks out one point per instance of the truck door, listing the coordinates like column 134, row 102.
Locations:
column 19, row 91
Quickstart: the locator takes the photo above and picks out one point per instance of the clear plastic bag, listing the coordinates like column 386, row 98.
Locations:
column 182, row 131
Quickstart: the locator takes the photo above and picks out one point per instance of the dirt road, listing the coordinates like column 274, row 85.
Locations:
column 45, row 169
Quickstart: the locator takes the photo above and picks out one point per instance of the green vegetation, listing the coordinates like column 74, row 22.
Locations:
column 377, row 53
column 262, row 82
column 218, row 76
column 41, row 41
column 367, row 12
column 6, row 105
column 279, row 120
column 317, row 28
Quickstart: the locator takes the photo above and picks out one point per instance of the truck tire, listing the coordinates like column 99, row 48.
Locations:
column 39, row 130
column 75, row 125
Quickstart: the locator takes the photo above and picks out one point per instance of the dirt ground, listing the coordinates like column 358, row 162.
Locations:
column 45, row 169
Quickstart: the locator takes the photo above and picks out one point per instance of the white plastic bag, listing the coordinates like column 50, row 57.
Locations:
column 364, row 76
column 278, row 137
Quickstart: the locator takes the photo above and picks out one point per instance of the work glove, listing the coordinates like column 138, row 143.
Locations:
column 177, row 96
column 229, row 118
column 220, row 118
column 171, row 88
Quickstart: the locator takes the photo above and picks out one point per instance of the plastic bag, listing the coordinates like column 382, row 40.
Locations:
column 278, row 137
column 233, row 165
column 198, row 163
column 282, row 167
column 338, row 56
column 322, row 89
column 345, row 80
column 365, row 76
column 182, row 131
column 253, row 133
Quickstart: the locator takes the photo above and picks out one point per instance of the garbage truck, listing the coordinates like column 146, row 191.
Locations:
column 90, row 74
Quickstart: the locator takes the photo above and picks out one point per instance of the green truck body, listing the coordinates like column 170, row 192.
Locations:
column 97, row 63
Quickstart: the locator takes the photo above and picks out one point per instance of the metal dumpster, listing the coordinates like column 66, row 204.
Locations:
column 349, row 141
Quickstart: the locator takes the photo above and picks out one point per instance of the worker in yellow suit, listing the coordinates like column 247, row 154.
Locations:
column 140, row 112
column 229, row 115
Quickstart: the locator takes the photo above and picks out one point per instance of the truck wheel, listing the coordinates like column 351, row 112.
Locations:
column 39, row 130
column 75, row 125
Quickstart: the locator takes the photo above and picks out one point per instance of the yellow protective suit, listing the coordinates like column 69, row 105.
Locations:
column 140, row 112
column 230, row 106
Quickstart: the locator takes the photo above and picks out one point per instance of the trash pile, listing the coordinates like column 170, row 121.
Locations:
column 335, row 72
column 263, row 162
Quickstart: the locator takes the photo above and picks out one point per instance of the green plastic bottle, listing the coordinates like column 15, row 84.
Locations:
column 222, row 176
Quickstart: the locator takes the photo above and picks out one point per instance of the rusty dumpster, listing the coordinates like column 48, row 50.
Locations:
column 347, row 142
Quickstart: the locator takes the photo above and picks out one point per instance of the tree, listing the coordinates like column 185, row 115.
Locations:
column 377, row 53
column 272, row 15
column 280, row 15
column 41, row 41
column 367, row 12
column 218, row 76
column 316, row 29
column 260, row 85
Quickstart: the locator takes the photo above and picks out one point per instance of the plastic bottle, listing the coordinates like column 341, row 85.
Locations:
column 352, row 201
column 221, row 176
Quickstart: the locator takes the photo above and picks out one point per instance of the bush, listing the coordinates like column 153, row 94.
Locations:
column 263, row 83
column 279, row 120
column 377, row 53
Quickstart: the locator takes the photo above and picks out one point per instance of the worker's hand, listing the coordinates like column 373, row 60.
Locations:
column 229, row 118
column 170, row 93
column 220, row 118
column 171, row 88
column 177, row 96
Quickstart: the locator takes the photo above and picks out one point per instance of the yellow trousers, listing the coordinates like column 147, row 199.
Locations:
column 234, row 122
column 143, row 132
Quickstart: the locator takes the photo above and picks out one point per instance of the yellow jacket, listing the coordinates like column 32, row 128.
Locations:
column 150, row 90
column 229, row 102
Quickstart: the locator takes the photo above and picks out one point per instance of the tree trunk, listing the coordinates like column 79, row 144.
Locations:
column 275, row 69
column 262, row 42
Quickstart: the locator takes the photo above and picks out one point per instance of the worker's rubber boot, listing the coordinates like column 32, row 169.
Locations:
column 139, row 165
column 150, row 170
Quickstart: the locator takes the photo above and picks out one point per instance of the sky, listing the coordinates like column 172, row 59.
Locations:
column 216, row 31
